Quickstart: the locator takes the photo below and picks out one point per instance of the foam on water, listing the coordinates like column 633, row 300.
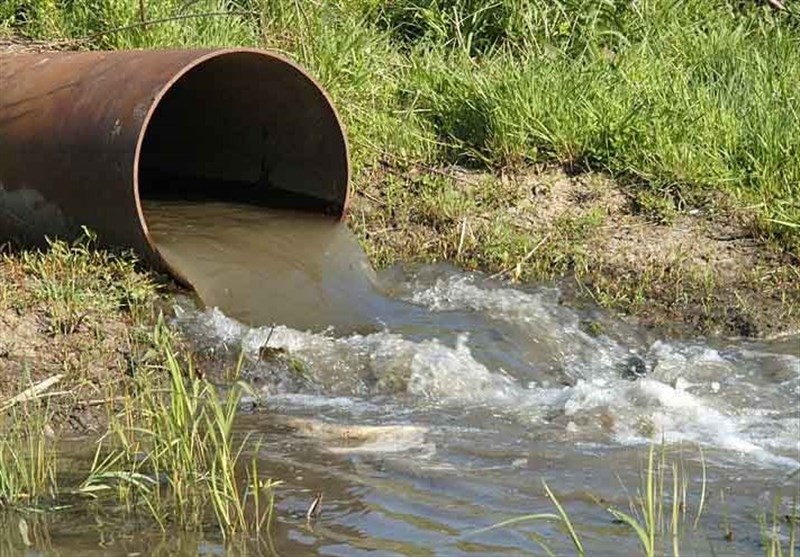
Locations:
column 366, row 364
column 554, row 330
column 725, row 409
column 715, row 396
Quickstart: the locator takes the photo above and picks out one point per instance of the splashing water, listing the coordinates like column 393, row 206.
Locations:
column 483, row 387
column 567, row 383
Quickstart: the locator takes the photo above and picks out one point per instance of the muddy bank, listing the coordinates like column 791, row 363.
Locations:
column 685, row 266
column 76, row 325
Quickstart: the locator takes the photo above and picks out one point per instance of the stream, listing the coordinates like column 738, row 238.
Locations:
column 491, row 389
column 428, row 404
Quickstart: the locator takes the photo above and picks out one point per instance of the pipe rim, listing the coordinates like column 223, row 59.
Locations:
column 218, row 53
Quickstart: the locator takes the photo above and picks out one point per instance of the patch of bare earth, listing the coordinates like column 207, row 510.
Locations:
column 68, row 342
column 697, row 270
column 81, row 370
column 705, row 270
column 14, row 44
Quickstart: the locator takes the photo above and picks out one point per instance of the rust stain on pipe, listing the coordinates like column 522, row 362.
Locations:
column 86, row 136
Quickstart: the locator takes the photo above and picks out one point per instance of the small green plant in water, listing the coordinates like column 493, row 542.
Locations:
column 561, row 517
column 27, row 458
column 648, row 516
column 772, row 530
column 174, row 452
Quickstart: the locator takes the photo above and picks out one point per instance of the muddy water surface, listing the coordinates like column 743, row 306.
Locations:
column 264, row 266
column 491, row 389
column 441, row 399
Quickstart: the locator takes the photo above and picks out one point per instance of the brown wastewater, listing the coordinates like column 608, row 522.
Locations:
column 267, row 266
column 431, row 403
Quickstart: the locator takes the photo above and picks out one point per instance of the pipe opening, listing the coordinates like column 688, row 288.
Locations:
column 246, row 127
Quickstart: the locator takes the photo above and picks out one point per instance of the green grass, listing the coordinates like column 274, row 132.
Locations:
column 28, row 466
column 775, row 541
column 76, row 281
column 86, row 22
column 643, row 519
column 70, row 312
column 680, row 99
column 171, row 450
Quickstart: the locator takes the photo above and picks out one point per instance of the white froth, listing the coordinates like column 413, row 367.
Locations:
column 673, row 415
column 537, row 313
column 443, row 373
column 693, row 393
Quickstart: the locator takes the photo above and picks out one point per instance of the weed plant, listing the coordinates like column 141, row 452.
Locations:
column 28, row 458
column 774, row 541
column 170, row 447
column 75, row 280
column 659, row 513
column 170, row 450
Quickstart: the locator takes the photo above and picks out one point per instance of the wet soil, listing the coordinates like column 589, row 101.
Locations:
column 82, row 370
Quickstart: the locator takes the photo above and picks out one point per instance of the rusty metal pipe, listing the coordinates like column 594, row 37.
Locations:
column 86, row 137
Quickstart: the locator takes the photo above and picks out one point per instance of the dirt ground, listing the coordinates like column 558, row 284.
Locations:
column 76, row 325
column 82, row 370
column 690, row 270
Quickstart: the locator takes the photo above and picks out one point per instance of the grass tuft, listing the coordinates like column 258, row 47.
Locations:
column 28, row 465
column 174, row 444
column 659, row 510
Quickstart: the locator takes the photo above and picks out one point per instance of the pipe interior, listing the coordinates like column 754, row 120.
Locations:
column 245, row 127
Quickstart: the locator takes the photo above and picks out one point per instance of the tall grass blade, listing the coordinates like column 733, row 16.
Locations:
column 703, row 489
column 641, row 532
column 566, row 521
